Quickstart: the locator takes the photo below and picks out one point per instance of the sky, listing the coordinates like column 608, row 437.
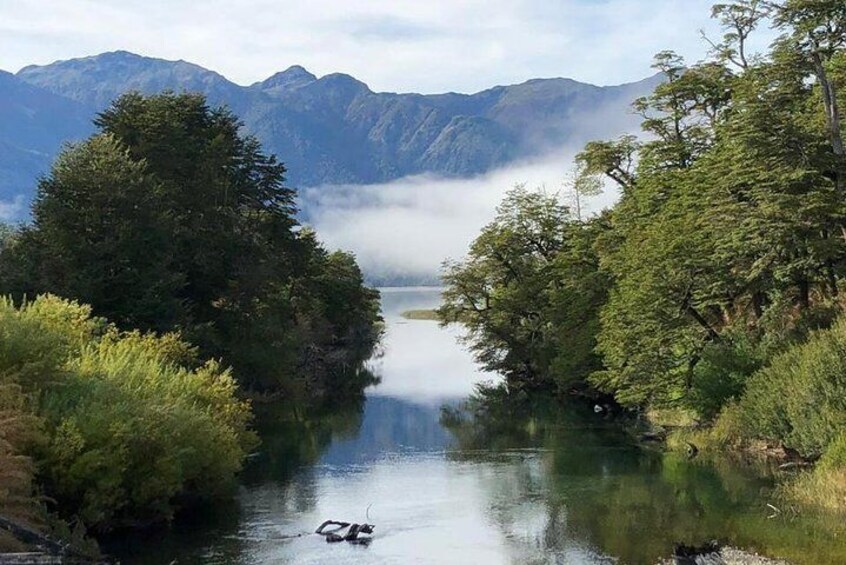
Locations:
column 393, row 45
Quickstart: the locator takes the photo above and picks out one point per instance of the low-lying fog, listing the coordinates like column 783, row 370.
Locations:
column 402, row 231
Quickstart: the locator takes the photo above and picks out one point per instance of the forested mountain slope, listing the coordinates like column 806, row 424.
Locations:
column 327, row 130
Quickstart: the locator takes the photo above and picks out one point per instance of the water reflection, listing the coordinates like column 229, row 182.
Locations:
column 422, row 363
column 538, row 485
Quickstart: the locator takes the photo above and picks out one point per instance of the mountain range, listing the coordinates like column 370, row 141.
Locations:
column 327, row 130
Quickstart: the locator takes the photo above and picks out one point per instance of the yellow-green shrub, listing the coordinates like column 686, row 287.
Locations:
column 825, row 486
column 132, row 422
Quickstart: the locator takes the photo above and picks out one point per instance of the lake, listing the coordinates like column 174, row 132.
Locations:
column 556, row 486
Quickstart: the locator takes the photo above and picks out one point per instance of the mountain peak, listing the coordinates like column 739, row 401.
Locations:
column 99, row 79
column 294, row 76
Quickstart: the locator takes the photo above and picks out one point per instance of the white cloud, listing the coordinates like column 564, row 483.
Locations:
column 408, row 227
column 402, row 231
column 402, row 45
column 12, row 209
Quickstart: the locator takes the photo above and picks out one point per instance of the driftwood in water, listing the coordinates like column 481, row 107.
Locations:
column 30, row 559
column 691, row 450
column 352, row 535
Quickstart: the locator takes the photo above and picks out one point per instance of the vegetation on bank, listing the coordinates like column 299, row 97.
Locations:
column 170, row 218
column 421, row 315
column 714, row 285
column 179, row 231
column 117, row 424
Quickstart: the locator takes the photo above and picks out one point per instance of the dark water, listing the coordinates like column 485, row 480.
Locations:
column 558, row 486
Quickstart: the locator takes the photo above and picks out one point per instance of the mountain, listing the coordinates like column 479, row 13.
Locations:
column 328, row 130
column 33, row 125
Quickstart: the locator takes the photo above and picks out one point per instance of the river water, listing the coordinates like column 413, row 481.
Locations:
column 564, row 486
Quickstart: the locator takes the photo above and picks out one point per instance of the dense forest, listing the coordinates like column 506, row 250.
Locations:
column 162, row 282
column 714, row 287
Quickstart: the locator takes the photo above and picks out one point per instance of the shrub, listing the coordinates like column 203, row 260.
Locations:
column 825, row 486
column 800, row 398
column 721, row 375
column 131, row 421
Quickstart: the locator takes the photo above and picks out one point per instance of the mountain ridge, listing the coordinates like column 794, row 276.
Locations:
column 331, row 129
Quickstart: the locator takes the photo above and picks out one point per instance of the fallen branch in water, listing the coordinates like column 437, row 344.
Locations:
column 352, row 535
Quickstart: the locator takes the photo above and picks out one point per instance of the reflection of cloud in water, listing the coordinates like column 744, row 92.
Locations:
column 422, row 362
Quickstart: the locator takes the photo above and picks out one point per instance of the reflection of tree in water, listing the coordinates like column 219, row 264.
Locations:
column 584, row 484
column 294, row 437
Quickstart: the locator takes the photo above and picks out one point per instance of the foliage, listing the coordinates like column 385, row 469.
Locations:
column 528, row 291
column 714, row 284
column 107, row 400
column 169, row 218
column 20, row 428
column 825, row 486
column 800, row 398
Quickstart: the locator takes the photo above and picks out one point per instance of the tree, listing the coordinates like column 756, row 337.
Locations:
column 738, row 19
column 815, row 30
column 170, row 218
column 614, row 159
column 580, row 185
column 503, row 294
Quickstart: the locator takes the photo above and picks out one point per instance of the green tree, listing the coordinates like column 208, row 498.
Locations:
column 503, row 293
column 170, row 218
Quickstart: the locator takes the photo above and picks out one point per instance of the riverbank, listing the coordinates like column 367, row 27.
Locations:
column 421, row 315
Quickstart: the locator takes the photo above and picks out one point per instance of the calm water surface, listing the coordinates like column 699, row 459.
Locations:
column 563, row 487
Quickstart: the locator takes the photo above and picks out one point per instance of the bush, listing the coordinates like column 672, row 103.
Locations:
column 825, row 486
column 835, row 456
column 800, row 398
column 131, row 422
column 721, row 375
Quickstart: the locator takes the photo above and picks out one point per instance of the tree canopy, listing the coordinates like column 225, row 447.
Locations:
column 170, row 218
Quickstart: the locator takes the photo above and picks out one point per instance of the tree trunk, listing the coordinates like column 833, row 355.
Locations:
column 712, row 333
column 804, row 293
column 832, row 118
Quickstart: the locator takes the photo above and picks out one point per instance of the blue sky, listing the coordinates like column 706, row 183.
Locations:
column 393, row 45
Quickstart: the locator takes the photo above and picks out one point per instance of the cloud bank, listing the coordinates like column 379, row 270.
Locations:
column 402, row 231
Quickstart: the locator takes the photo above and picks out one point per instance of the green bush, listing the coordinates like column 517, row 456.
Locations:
column 800, row 397
column 721, row 375
column 132, row 423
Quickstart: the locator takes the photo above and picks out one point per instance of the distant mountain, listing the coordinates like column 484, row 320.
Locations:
column 33, row 125
column 327, row 130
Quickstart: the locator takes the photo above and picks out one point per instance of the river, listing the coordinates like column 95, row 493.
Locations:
column 564, row 486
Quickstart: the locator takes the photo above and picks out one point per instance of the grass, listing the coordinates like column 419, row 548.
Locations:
column 421, row 315
column 820, row 488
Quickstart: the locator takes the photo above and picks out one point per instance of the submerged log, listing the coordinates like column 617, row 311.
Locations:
column 707, row 554
column 352, row 534
column 30, row 559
